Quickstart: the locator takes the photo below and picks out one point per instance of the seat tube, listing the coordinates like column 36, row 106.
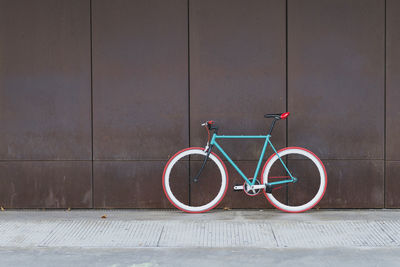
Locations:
column 260, row 160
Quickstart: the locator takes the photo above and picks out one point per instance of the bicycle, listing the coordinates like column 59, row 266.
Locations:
column 307, row 170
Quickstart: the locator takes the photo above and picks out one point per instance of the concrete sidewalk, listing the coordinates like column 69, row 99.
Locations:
column 160, row 228
column 159, row 232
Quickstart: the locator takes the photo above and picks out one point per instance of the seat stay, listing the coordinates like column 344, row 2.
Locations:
column 284, row 165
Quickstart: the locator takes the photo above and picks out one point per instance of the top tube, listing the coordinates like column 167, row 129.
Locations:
column 242, row 136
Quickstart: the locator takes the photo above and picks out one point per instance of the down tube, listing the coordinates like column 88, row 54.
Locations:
column 231, row 162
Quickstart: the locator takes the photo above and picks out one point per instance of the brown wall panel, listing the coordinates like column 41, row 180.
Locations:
column 45, row 79
column 140, row 78
column 131, row 184
column 237, row 70
column 45, row 184
column 354, row 184
column 392, row 185
column 336, row 77
column 393, row 80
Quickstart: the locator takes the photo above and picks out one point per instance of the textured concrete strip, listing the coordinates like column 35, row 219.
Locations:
column 217, row 234
column 24, row 234
column 332, row 234
column 88, row 233
column 392, row 229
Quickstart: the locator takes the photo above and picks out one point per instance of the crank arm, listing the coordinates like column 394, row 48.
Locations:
column 240, row 187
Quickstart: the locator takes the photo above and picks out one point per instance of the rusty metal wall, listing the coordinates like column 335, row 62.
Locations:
column 96, row 95
column 45, row 132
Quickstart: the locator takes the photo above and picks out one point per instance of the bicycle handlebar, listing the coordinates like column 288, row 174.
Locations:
column 208, row 124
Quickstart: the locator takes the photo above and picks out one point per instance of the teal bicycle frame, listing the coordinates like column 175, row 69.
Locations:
column 267, row 141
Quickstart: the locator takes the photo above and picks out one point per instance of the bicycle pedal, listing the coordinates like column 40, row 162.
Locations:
column 268, row 188
column 238, row 187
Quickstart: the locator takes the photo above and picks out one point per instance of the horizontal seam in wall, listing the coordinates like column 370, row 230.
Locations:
column 39, row 160
column 235, row 160
column 99, row 160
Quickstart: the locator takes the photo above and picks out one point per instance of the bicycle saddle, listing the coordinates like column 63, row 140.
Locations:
column 277, row 116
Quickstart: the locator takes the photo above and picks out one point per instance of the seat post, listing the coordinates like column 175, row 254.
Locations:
column 272, row 126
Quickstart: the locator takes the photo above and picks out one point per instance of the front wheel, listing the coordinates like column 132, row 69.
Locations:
column 190, row 196
column 310, row 179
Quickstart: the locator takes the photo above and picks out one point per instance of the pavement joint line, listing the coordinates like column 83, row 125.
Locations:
column 273, row 233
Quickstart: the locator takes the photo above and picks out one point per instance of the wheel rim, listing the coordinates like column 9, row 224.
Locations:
column 189, row 208
column 322, row 179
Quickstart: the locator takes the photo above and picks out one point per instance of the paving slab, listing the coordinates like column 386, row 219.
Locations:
column 193, row 257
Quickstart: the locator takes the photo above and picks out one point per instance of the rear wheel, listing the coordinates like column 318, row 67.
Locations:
column 190, row 196
column 310, row 175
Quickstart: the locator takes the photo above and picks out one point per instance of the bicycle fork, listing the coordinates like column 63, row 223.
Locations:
column 208, row 149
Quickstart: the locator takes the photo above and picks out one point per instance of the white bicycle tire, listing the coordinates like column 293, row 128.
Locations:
column 195, row 209
column 320, row 167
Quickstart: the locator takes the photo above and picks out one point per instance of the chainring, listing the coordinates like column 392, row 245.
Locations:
column 251, row 192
